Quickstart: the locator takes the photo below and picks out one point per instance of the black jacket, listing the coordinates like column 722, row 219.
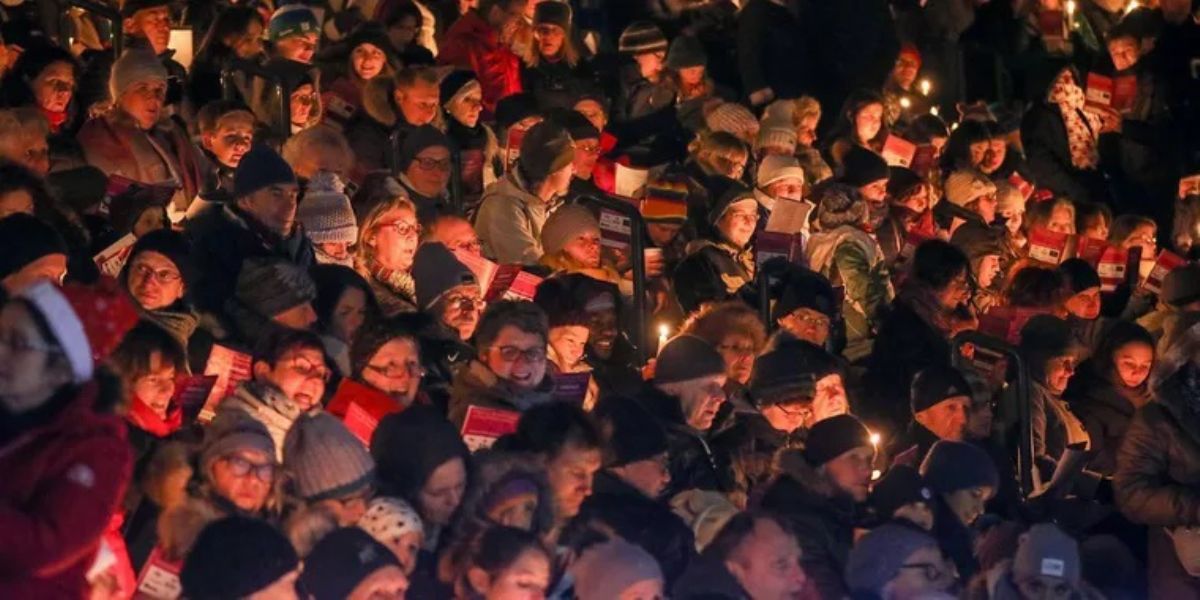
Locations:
column 750, row 445
column 708, row 579
column 1105, row 411
column 1044, row 134
column 906, row 344
column 693, row 462
column 558, row 84
column 771, row 49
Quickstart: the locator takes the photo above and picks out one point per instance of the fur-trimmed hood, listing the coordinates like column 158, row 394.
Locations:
column 791, row 463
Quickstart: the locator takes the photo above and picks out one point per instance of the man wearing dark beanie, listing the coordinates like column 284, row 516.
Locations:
column 34, row 251
column 962, row 477
column 941, row 402
column 817, row 490
column 240, row 557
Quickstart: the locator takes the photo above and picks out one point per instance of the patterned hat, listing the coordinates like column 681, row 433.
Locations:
column 293, row 19
column 388, row 519
column 642, row 37
column 666, row 200
column 325, row 211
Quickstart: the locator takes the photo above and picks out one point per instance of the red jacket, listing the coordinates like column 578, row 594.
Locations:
column 59, row 486
column 472, row 44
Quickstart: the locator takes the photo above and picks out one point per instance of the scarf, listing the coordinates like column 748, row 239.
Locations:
column 144, row 418
column 1082, row 127
column 56, row 118
column 397, row 282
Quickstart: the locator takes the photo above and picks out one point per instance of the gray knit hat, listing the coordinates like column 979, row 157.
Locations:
column 325, row 211
column 1046, row 550
column 838, row 204
column 777, row 168
column 436, row 270
column 324, row 459
column 687, row 357
column 565, row 225
column 136, row 64
column 607, row 569
column 877, row 557
column 731, row 117
column 270, row 286
column 231, row 431
column 686, row 51
column 545, row 150
column 642, row 37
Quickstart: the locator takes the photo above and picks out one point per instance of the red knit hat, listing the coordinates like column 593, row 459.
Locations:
column 87, row 321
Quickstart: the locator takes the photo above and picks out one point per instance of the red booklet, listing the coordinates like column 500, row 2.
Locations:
column 923, row 160
column 361, row 407
column 112, row 259
column 774, row 244
column 483, row 426
column 1125, row 89
column 1099, row 90
column 1166, row 262
column 1113, row 268
column 898, row 152
column 1048, row 246
column 159, row 578
column 231, row 368
column 1005, row 322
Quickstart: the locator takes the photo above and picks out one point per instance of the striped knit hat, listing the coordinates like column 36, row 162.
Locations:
column 325, row 460
column 642, row 37
column 666, row 200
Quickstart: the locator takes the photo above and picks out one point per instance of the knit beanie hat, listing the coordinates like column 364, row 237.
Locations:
column 606, row 570
column 388, row 519
column 577, row 125
column 965, row 186
column 373, row 33
column 936, row 384
column 833, row 437
column 324, row 459
column 436, row 270
column 687, row 357
column 456, row 85
column 270, row 286
column 642, row 37
column 26, row 239
column 863, row 167
column 733, row 118
column 325, row 211
column 902, row 182
column 135, row 64
column 425, row 136
column 553, row 12
column 901, row 485
column 342, row 560
column 234, row 558
column 409, row 445
column 838, row 204
column 546, row 149
column 292, row 19
column 231, row 431
column 686, row 51
column 260, row 168
column 634, row 434
column 877, row 556
column 802, row 288
column 1079, row 274
column 953, row 466
column 736, row 193
column 1045, row 550
column 88, row 322
column 776, row 168
column 666, row 200
column 132, row 7
column 171, row 244
column 513, row 109
column 977, row 240
column 1180, row 287
column 566, row 224
column 777, row 137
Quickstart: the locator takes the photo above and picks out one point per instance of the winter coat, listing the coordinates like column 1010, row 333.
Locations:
column 476, row 385
column 267, row 405
column 557, row 84
column 476, row 148
column 114, row 144
column 471, row 43
column 60, row 482
column 708, row 579
column 647, row 522
column 428, row 207
column 750, row 444
column 510, row 220
column 956, row 540
column 913, row 444
column 771, row 49
column 692, row 461
column 370, row 130
column 1106, row 409
column 822, row 518
column 712, row 271
column 852, row 258
column 1051, row 424
column 1044, row 137
column 906, row 345
column 395, row 292
column 641, row 97
column 443, row 354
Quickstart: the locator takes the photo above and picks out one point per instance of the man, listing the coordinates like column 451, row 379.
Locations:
column 754, row 556
column 480, row 40
column 817, row 490
column 898, row 561
column 261, row 222
column 447, row 291
column 587, row 153
column 35, row 251
column 425, row 169
column 806, row 307
column 941, row 402
column 456, row 233
column 294, row 33
column 226, row 134
column 147, row 27
column 392, row 109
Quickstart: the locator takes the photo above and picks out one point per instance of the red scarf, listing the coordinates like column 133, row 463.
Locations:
column 56, row 118
column 142, row 417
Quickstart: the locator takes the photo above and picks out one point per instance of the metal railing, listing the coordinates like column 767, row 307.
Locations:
column 637, row 259
column 229, row 89
column 104, row 11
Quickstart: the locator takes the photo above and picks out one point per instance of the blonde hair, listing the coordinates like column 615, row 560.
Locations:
column 325, row 140
column 806, row 107
column 718, row 143
column 532, row 58
column 19, row 123
column 370, row 221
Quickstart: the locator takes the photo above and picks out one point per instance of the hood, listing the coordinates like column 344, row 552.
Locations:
column 823, row 244
column 377, row 101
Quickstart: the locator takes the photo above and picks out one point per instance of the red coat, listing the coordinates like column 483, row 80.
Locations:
column 59, row 486
column 472, row 44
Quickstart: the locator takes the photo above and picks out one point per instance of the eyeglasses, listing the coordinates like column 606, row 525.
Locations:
column 464, row 302
column 736, row 350
column 430, row 164
column 530, row 355
column 930, row 571
column 472, row 246
column 393, row 370
column 404, row 228
column 161, row 275
column 819, row 322
column 803, row 412
column 592, row 149
column 241, row 467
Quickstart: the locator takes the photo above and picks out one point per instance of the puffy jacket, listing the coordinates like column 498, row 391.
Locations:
column 472, row 44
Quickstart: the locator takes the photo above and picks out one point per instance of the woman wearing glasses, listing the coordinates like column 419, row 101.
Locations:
column 898, row 562
column 554, row 70
column 425, row 170
column 386, row 356
column 388, row 236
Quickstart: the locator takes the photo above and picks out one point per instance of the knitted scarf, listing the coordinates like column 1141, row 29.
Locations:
column 144, row 418
column 1082, row 127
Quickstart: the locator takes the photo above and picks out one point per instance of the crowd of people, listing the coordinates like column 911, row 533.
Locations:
column 348, row 302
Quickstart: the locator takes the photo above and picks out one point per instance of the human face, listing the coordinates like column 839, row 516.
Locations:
column 1124, row 52
column 429, row 171
column 875, row 192
column 404, row 31
column 968, row 504
column 593, row 112
column 997, row 152
column 1096, row 228
column 1061, row 220
column 516, row 511
column 30, row 369
column 406, row 548
column 692, row 75
column 905, row 71
column 767, row 563
column 395, row 369
column 518, row 357
column 304, row 97
column 418, row 103
column 1132, row 363
column 738, row 352
column 1059, row 371
column 1045, row 587
column 1085, row 304
column 16, row 201
column 650, row 476
column 988, row 269
column 461, row 309
column 144, row 102
column 300, row 373
column 738, row 222
column 347, row 510
column 231, row 140
column 957, row 292
column 394, row 239
column 300, row 47
column 558, row 183
column 458, row 235
column 650, row 64
column 29, row 150
column 157, row 386
column 1013, row 219
column 789, row 189
column 283, row 588
column 923, row 573
column 244, row 478
column 947, row 419
column 54, row 87
column 700, row 399
column 468, row 108
column 385, row 583
column 790, row 415
column 570, row 477
column 830, row 398
column 368, row 60
column 850, row 472
column 526, row 579
column 154, row 24
column 807, row 324
column 569, row 343
column 979, row 421
column 584, row 249
column 662, row 234
column 247, row 44
column 301, row 317
column 443, row 492
column 587, row 153
column 806, row 131
column 154, row 281
column 274, row 207
column 1144, row 237
column 979, row 151
column 985, row 206
column 731, row 165
column 603, row 332
column 868, row 122
column 550, row 39
column 52, row 267
column 348, row 314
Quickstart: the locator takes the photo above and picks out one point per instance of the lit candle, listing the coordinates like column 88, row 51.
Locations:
column 1132, row 6
column 875, row 439
column 925, row 85
column 1070, row 8
column 905, row 103
column 663, row 333
column 933, row 110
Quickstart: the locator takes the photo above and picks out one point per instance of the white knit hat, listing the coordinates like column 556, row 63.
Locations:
column 387, row 519
column 777, row 168
column 966, row 186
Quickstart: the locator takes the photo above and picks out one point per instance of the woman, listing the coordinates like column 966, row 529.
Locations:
column 387, row 242
column 1110, row 387
column 737, row 332
column 64, row 459
column 504, row 563
column 721, row 262
column 863, row 127
column 908, row 209
column 566, row 346
column 686, row 70
column 462, row 100
column 46, row 77
column 1057, row 216
column 236, row 34
column 1048, row 348
column 369, row 56
column 571, row 241
column 344, row 302
column 1062, row 141
column 553, row 69
column 386, row 357
column 967, row 148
